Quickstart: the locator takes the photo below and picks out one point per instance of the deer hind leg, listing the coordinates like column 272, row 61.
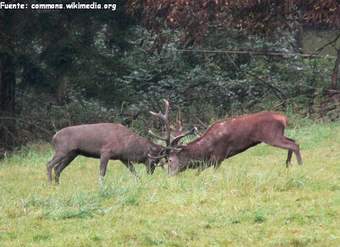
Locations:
column 104, row 160
column 57, row 158
column 63, row 164
column 287, row 143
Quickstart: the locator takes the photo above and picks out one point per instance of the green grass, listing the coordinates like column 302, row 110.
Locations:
column 252, row 200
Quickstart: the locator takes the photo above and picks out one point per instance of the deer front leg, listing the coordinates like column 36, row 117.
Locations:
column 217, row 164
column 289, row 158
column 131, row 168
column 150, row 169
column 202, row 165
column 63, row 164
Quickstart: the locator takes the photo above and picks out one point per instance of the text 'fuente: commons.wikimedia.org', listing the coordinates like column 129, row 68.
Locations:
column 58, row 6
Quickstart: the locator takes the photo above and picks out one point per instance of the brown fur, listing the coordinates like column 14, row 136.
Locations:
column 105, row 141
column 229, row 137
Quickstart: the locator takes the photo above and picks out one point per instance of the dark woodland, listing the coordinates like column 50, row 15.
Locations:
column 210, row 59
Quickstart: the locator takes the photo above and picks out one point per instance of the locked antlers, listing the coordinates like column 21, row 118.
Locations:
column 171, row 141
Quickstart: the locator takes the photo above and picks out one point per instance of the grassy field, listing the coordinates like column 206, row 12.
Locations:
column 252, row 200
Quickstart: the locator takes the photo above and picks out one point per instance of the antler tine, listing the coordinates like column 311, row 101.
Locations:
column 165, row 118
column 179, row 137
column 179, row 122
column 166, row 122
column 159, row 114
column 166, row 112
column 179, row 115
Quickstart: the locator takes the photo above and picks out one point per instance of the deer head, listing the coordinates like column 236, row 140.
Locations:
column 173, row 133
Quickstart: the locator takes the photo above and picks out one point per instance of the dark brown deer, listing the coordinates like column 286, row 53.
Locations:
column 229, row 137
column 105, row 141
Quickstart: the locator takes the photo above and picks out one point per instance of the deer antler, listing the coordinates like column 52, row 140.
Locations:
column 165, row 118
column 179, row 121
column 171, row 143
column 157, row 136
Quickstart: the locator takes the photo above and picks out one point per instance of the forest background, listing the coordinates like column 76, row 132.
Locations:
column 211, row 59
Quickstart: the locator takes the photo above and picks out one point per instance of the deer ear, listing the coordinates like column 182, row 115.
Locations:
column 180, row 147
column 175, row 141
column 174, row 149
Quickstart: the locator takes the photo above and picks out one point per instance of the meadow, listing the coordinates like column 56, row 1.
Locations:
column 251, row 200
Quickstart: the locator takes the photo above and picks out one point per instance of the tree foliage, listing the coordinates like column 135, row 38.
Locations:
column 64, row 68
column 196, row 18
column 49, row 52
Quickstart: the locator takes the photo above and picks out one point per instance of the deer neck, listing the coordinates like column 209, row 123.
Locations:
column 198, row 151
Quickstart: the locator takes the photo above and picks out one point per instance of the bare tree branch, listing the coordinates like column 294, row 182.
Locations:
column 333, row 41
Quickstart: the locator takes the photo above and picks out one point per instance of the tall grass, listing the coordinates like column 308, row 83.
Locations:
column 252, row 200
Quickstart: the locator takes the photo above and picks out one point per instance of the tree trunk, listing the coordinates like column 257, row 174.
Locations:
column 336, row 72
column 7, row 101
column 62, row 90
column 298, row 35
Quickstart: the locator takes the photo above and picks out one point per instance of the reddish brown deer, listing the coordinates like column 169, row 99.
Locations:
column 229, row 137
